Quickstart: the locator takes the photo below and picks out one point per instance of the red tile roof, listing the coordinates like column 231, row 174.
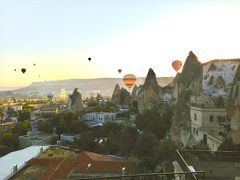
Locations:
column 61, row 168
column 100, row 163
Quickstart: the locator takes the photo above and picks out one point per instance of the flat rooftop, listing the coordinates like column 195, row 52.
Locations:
column 57, row 153
column 17, row 158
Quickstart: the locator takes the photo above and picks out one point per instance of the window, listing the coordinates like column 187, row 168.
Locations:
column 210, row 118
column 219, row 119
column 195, row 116
column 196, row 132
column 193, row 130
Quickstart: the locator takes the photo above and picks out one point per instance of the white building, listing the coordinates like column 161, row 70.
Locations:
column 206, row 120
column 68, row 137
column 49, row 109
column 99, row 117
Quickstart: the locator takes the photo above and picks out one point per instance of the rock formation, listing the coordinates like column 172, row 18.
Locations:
column 75, row 101
column 185, row 84
column 99, row 97
column 233, row 109
column 121, row 96
column 148, row 95
column 135, row 91
column 212, row 67
column 190, row 79
column 116, row 94
column 234, row 95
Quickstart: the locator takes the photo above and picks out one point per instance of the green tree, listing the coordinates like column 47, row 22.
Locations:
column 11, row 142
column 166, row 150
column 145, row 149
column 86, row 142
column 128, row 137
column 155, row 121
column 20, row 128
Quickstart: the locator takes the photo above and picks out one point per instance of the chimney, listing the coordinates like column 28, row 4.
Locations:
column 15, row 168
column 41, row 150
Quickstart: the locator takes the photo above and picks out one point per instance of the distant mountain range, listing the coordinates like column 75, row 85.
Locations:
column 87, row 87
column 8, row 88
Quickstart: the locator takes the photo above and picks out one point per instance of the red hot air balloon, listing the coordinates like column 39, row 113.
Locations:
column 23, row 70
column 176, row 65
column 129, row 80
column 119, row 70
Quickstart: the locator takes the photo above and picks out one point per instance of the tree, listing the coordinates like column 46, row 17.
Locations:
column 166, row 150
column 145, row 150
column 155, row 121
column 23, row 115
column 20, row 129
column 128, row 137
column 10, row 141
column 65, row 123
column 86, row 142
column 124, row 97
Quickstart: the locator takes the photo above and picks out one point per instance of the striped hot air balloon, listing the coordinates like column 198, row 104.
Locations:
column 129, row 80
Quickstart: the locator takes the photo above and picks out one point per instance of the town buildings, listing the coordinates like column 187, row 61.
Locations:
column 49, row 109
column 6, row 125
column 207, row 117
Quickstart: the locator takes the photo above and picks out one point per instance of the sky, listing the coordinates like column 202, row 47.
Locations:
column 60, row 35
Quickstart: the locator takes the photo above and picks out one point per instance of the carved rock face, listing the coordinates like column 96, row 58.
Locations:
column 148, row 95
column 76, row 101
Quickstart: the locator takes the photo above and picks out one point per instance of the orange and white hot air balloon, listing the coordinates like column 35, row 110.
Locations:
column 129, row 80
column 176, row 65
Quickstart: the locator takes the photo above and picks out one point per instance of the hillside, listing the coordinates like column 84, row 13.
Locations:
column 87, row 87
column 218, row 76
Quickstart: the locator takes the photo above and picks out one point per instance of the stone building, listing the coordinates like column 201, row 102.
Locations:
column 207, row 118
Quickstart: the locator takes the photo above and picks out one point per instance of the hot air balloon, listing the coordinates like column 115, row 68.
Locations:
column 23, row 70
column 49, row 95
column 176, row 65
column 15, row 70
column 129, row 80
column 89, row 59
column 34, row 64
column 119, row 70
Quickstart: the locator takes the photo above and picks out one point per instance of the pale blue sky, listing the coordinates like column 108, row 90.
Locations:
column 53, row 25
column 54, row 32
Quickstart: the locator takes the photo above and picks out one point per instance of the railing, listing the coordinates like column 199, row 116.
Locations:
column 204, row 155
column 200, row 175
